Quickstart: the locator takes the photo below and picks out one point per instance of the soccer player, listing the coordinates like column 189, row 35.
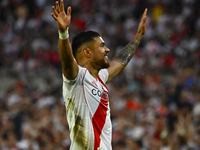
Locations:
column 86, row 70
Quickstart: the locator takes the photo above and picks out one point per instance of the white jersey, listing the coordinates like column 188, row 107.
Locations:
column 88, row 112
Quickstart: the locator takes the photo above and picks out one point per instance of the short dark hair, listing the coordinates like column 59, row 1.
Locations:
column 81, row 38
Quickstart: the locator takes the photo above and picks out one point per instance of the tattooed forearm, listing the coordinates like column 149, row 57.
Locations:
column 125, row 55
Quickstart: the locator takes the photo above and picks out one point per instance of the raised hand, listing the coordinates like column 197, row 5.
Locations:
column 142, row 25
column 63, row 20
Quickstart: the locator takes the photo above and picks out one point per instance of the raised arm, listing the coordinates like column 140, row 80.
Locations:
column 69, row 65
column 124, row 56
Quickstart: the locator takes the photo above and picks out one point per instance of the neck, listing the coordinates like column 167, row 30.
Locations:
column 93, row 70
column 84, row 64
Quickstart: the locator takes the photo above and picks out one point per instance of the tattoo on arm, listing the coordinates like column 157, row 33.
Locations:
column 125, row 55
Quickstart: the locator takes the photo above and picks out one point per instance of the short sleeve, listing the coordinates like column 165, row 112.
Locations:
column 103, row 74
column 69, row 85
column 70, row 82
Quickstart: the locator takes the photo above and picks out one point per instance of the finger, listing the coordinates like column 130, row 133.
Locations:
column 144, row 20
column 145, row 13
column 54, row 16
column 61, row 6
column 54, row 11
column 57, row 7
column 69, row 10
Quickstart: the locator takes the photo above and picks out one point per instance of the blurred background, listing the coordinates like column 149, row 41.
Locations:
column 155, row 100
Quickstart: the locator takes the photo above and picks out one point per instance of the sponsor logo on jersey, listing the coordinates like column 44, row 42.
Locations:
column 99, row 93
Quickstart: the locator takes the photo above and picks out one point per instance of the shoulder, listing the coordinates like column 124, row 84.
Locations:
column 103, row 74
column 80, row 75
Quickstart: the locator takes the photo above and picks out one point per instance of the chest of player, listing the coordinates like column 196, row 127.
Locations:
column 95, row 91
column 96, row 97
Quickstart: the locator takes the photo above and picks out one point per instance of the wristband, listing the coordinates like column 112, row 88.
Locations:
column 64, row 35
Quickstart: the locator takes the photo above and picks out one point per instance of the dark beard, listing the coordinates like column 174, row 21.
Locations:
column 101, row 63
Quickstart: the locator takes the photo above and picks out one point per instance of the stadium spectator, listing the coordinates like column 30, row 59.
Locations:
column 154, row 101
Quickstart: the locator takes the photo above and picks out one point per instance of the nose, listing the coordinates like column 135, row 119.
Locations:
column 107, row 49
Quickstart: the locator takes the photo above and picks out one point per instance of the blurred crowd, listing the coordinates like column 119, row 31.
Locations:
column 155, row 100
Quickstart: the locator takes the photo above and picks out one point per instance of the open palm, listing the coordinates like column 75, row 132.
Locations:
column 63, row 20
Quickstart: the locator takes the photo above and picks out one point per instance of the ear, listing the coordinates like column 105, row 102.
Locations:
column 87, row 52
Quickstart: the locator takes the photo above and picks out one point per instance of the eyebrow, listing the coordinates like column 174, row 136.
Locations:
column 102, row 44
